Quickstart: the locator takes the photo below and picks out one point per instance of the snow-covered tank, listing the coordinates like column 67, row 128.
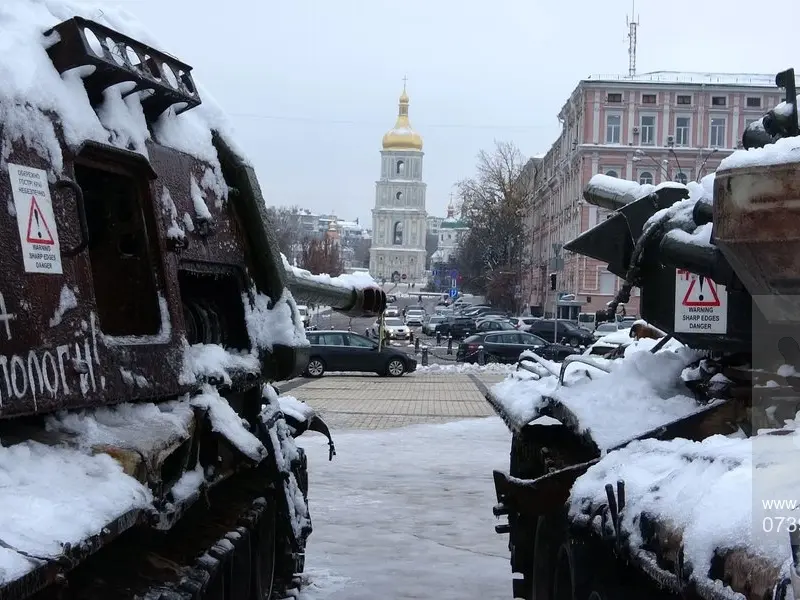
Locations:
column 673, row 471
column 145, row 313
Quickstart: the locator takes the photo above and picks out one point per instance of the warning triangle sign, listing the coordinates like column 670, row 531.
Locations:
column 38, row 230
column 701, row 292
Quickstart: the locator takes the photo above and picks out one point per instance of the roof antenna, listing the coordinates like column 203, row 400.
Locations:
column 632, row 25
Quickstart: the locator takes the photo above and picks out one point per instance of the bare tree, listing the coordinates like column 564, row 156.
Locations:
column 361, row 251
column 321, row 255
column 491, row 257
column 288, row 229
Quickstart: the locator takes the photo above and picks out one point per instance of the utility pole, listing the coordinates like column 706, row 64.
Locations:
column 632, row 26
column 556, row 265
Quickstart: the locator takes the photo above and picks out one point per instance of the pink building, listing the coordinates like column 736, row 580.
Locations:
column 654, row 127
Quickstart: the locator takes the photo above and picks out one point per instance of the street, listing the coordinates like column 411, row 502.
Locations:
column 406, row 296
column 404, row 510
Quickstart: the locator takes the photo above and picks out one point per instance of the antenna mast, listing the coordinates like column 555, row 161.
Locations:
column 633, row 23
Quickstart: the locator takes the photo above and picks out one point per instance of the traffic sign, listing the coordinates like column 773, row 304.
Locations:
column 701, row 305
column 453, row 292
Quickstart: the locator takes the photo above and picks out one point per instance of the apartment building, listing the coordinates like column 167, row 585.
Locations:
column 650, row 128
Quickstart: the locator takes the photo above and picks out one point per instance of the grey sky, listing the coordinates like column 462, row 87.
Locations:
column 312, row 85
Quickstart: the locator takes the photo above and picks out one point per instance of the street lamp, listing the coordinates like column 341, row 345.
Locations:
column 640, row 154
column 671, row 146
column 705, row 160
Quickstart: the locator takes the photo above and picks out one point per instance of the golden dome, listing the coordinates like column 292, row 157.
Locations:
column 401, row 136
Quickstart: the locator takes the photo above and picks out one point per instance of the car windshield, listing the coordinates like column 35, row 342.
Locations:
column 436, row 319
column 607, row 327
column 393, row 322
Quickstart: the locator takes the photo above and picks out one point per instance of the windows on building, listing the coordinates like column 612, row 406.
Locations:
column 612, row 173
column 614, row 98
column 753, row 102
column 400, row 167
column 648, row 98
column 647, row 134
column 681, row 177
column 717, row 133
column 398, row 233
column 613, row 129
column 719, row 101
column 682, row 129
column 607, row 282
column 399, row 196
column 684, row 100
column 645, row 177
column 747, row 122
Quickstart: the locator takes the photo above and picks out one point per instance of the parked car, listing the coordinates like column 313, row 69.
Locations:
column 391, row 311
column 506, row 346
column 604, row 329
column 523, row 323
column 493, row 325
column 431, row 323
column 305, row 315
column 391, row 298
column 457, row 327
column 616, row 340
column 567, row 331
column 346, row 351
column 415, row 316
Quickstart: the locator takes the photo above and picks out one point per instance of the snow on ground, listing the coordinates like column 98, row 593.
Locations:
column 407, row 513
column 465, row 368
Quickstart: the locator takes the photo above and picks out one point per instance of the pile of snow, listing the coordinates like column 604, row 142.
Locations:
column 281, row 324
column 212, row 361
column 641, row 392
column 712, row 491
column 358, row 281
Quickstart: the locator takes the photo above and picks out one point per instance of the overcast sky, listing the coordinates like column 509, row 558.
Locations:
column 312, row 85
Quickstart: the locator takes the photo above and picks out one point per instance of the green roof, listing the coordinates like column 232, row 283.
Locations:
column 453, row 224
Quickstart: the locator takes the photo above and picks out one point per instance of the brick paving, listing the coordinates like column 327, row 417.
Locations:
column 371, row 402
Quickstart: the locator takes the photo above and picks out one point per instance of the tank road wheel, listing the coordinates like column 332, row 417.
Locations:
column 264, row 553
column 395, row 368
column 316, row 367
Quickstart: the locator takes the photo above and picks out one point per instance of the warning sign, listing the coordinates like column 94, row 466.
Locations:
column 38, row 235
column 701, row 305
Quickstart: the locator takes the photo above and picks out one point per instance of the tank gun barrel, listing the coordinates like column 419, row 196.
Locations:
column 350, row 301
column 609, row 192
column 706, row 260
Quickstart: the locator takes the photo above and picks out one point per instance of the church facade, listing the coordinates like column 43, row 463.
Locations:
column 399, row 217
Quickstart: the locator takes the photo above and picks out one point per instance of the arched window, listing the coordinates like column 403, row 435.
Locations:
column 400, row 167
column 398, row 233
column 612, row 173
column 646, row 177
column 399, row 196
column 681, row 177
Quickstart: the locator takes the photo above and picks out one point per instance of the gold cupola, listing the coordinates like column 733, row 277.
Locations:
column 401, row 136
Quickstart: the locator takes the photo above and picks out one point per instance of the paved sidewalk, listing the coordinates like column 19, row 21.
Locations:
column 371, row 402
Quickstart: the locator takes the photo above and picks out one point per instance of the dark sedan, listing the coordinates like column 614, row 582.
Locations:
column 346, row 351
column 506, row 346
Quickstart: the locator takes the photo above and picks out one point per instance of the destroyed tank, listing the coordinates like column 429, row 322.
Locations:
column 671, row 472
column 145, row 314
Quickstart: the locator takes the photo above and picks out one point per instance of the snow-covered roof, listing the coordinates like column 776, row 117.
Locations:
column 33, row 90
column 691, row 77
